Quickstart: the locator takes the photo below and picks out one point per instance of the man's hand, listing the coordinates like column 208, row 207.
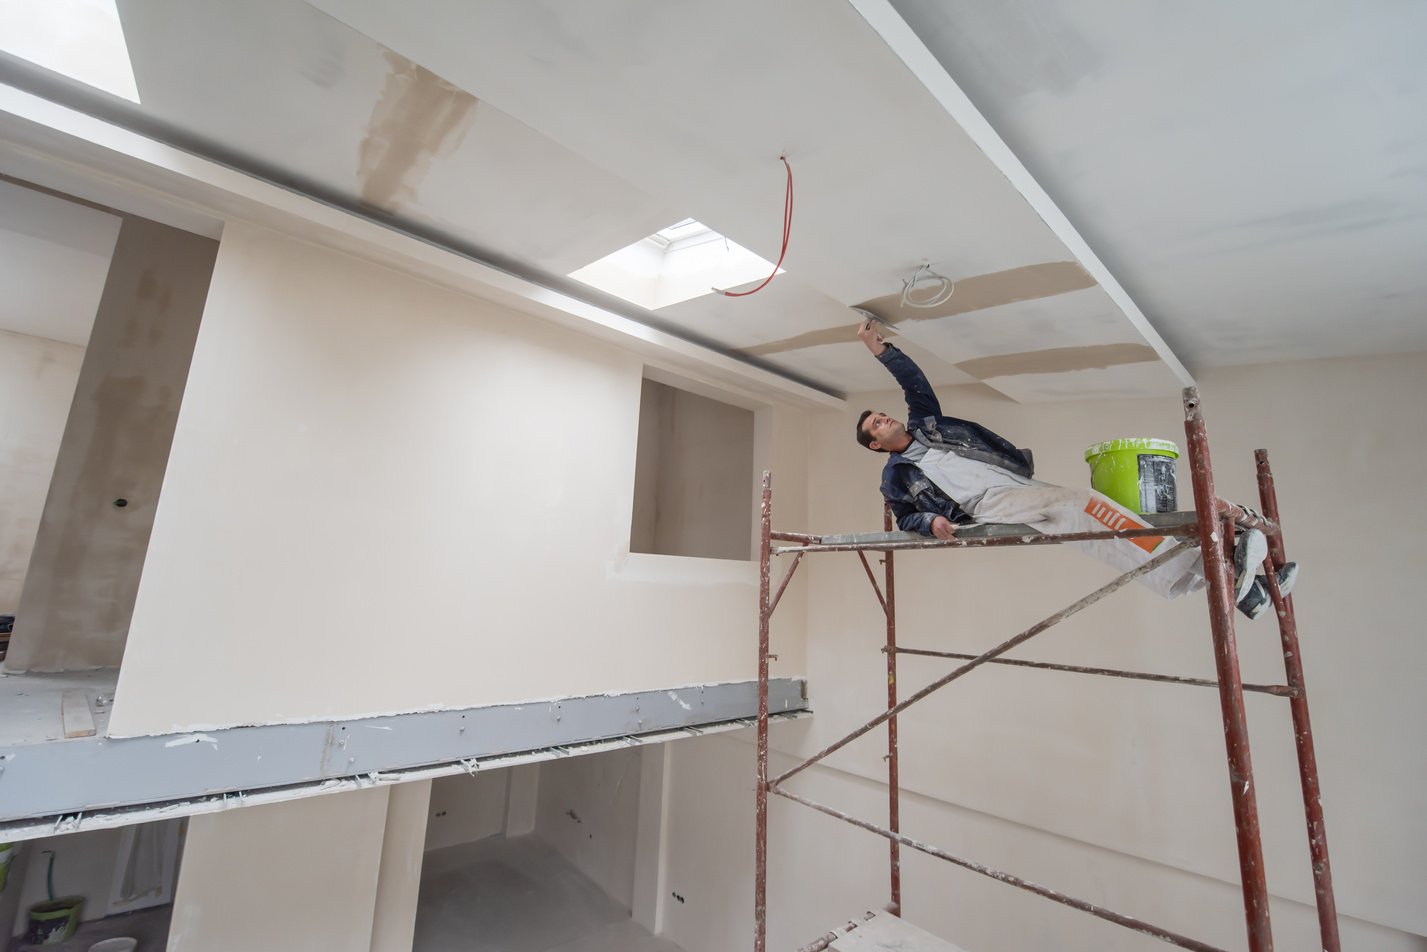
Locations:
column 943, row 528
column 867, row 333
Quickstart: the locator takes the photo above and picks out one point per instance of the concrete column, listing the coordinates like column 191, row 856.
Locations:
column 650, row 865
column 89, row 551
column 399, row 878
column 522, row 799
column 300, row 876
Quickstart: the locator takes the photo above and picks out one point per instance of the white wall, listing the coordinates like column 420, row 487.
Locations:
column 464, row 809
column 300, row 876
column 417, row 499
column 37, row 379
column 589, row 812
column 1109, row 790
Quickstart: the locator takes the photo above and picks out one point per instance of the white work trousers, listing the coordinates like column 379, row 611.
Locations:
column 1055, row 509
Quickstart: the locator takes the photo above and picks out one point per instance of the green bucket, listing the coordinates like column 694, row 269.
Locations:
column 54, row 920
column 1136, row 473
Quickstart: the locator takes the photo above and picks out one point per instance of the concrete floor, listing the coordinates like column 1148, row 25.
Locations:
column 519, row 895
column 30, row 703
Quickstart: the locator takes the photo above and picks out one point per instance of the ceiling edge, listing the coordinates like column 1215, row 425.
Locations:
column 908, row 47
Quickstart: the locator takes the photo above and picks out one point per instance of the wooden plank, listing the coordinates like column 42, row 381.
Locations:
column 74, row 712
column 887, row 933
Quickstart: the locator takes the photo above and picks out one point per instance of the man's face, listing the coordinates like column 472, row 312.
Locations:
column 883, row 429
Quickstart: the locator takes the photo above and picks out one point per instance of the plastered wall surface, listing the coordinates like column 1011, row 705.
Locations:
column 300, row 876
column 823, row 872
column 1113, row 791
column 691, row 477
column 88, row 553
column 589, row 811
column 37, row 378
column 424, row 499
column 464, row 809
column 399, row 877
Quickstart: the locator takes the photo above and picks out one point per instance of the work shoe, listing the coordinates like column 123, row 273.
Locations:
column 1258, row 598
column 1250, row 549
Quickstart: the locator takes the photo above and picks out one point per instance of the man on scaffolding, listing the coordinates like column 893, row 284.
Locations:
column 943, row 472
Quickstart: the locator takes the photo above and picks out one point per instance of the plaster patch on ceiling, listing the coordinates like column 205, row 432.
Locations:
column 972, row 294
column 989, row 290
column 1123, row 381
column 840, row 334
column 419, row 117
column 1058, row 360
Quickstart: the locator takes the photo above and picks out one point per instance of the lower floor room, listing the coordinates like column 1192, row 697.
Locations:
column 534, row 858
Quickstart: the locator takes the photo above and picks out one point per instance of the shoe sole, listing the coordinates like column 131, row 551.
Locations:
column 1287, row 577
column 1249, row 554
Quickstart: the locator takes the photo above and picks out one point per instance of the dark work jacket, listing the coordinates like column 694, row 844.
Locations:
column 915, row 499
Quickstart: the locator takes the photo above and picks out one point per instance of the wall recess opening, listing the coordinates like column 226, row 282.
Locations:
column 692, row 475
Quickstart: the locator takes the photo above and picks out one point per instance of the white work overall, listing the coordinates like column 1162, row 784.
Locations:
column 992, row 494
column 1055, row 509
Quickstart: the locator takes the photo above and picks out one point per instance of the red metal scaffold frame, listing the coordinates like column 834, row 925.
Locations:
column 1201, row 528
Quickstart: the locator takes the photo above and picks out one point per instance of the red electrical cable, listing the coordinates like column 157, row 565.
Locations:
column 787, row 231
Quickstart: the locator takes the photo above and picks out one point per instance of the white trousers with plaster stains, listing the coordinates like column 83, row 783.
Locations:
column 1056, row 509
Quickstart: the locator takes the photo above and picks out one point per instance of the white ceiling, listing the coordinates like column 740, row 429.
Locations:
column 1254, row 173
column 1251, row 204
column 695, row 107
column 54, row 257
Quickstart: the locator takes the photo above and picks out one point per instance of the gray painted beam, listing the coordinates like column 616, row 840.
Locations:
column 59, row 778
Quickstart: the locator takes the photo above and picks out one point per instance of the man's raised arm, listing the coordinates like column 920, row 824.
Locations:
column 921, row 399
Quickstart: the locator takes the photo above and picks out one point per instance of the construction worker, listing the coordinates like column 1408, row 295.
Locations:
column 944, row 471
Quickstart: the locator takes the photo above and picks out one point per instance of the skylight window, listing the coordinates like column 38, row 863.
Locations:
column 81, row 39
column 684, row 233
column 678, row 263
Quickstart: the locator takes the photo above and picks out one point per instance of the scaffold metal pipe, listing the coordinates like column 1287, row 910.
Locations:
column 773, row 605
column 1302, row 727
column 1033, row 538
column 795, row 537
column 1129, row 922
column 1231, row 695
column 867, row 567
column 1277, row 690
column 1248, row 519
column 1000, row 649
column 760, row 834
column 894, row 786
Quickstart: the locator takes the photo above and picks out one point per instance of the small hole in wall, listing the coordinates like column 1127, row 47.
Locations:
column 120, row 503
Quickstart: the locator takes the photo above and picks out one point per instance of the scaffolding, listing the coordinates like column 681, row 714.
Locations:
column 1211, row 528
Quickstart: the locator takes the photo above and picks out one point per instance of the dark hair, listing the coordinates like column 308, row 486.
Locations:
column 863, row 436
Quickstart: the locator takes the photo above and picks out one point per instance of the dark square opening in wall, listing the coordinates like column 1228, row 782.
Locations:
column 692, row 477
